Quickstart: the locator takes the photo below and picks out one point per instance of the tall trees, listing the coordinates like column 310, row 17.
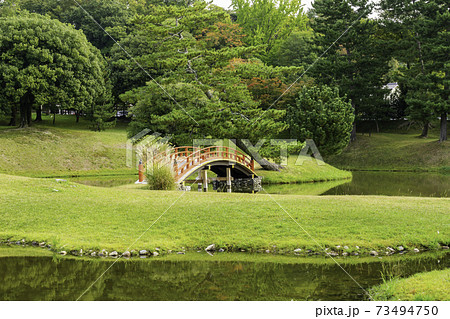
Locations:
column 46, row 61
column 195, row 93
column 112, row 16
column 420, row 40
column 296, row 50
column 269, row 22
column 355, row 61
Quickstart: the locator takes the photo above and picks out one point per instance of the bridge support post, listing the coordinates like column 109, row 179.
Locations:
column 199, row 179
column 228, row 180
column 205, row 180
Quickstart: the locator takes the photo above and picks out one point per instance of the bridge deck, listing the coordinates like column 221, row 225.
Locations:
column 186, row 160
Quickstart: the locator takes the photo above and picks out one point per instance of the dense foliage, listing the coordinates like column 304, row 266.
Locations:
column 46, row 62
column 322, row 115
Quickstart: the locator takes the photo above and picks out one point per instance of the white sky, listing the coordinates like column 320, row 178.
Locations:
column 226, row 3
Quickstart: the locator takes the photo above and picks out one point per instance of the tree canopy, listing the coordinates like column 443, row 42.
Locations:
column 44, row 61
column 322, row 115
column 269, row 22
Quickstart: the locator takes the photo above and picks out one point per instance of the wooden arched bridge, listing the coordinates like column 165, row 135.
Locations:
column 227, row 163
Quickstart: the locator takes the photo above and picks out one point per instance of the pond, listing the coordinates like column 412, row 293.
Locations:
column 362, row 183
column 203, row 277
column 374, row 183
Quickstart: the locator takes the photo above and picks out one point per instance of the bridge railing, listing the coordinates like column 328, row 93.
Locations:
column 183, row 151
column 206, row 154
column 185, row 158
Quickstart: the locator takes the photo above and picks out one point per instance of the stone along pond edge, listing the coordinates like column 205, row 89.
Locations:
column 333, row 251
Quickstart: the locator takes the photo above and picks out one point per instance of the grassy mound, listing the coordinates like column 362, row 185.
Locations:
column 68, row 148
column 79, row 216
column 307, row 170
column 430, row 286
column 394, row 151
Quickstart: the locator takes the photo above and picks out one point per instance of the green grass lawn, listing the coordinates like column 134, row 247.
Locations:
column 429, row 286
column 399, row 150
column 79, row 216
column 306, row 170
column 66, row 149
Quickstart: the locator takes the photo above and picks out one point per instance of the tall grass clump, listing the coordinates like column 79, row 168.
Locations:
column 160, row 178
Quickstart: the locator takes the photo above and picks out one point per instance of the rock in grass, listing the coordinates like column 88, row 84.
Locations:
column 297, row 250
column 400, row 248
column 180, row 253
column 42, row 244
column 333, row 253
column 113, row 254
column 155, row 253
column 416, row 250
column 390, row 249
column 63, row 252
column 346, row 247
column 143, row 252
column 373, row 253
column 93, row 254
column 444, row 247
column 211, row 247
column 221, row 250
column 126, row 254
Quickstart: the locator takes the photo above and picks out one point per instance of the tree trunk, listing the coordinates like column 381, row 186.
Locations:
column 378, row 127
column 23, row 116
column 54, row 117
column 26, row 102
column 38, row 114
column 265, row 164
column 77, row 114
column 353, row 134
column 13, row 121
column 29, row 112
column 443, row 136
column 425, row 130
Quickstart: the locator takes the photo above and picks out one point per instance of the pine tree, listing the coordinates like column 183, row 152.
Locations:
column 354, row 62
column 420, row 40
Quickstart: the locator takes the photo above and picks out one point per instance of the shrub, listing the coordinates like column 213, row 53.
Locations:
column 160, row 178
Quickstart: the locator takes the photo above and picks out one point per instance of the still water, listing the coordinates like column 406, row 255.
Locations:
column 203, row 277
column 362, row 183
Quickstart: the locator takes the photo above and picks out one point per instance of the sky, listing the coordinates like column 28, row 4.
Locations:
column 226, row 3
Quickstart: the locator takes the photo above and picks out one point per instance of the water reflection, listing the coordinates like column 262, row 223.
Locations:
column 47, row 278
column 374, row 183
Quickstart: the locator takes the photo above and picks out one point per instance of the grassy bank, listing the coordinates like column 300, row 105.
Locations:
column 430, row 286
column 303, row 170
column 77, row 216
column 394, row 151
column 66, row 149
